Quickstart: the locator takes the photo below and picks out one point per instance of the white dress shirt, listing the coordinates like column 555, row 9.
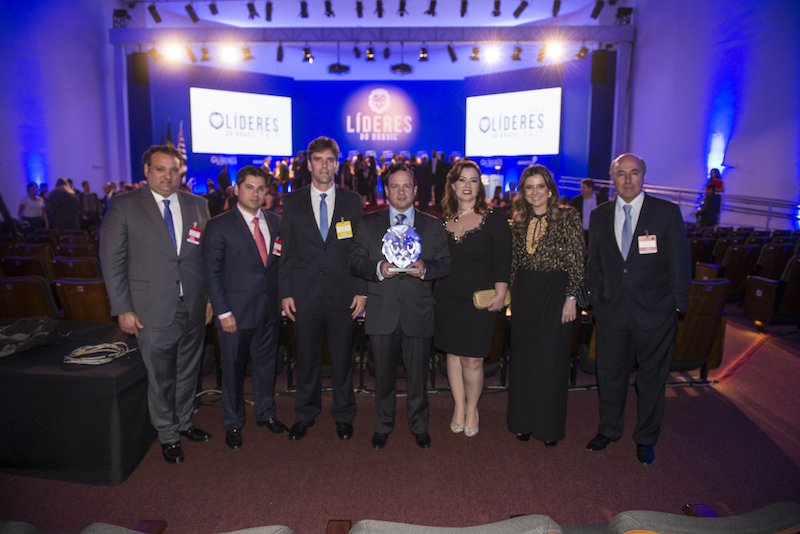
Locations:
column 619, row 217
column 175, row 210
column 329, row 201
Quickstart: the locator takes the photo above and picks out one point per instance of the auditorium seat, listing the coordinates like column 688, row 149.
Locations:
column 773, row 259
column 26, row 266
column 701, row 249
column 42, row 238
column 784, row 239
column 44, row 250
column 75, row 239
column 7, row 248
column 78, row 267
column 84, row 300
column 767, row 300
column 737, row 265
column 26, row 296
column 75, row 249
column 758, row 237
column 722, row 245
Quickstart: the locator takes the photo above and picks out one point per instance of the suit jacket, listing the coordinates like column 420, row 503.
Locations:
column 236, row 278
column 141, row 269
column 401, row 300
column 644, row 288
column 315, row 271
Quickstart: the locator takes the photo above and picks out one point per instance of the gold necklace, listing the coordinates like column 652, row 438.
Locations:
column 462, row 213
column 538, row 227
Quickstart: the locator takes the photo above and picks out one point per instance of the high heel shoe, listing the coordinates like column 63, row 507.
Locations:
column 471, row 431
column 455, row 428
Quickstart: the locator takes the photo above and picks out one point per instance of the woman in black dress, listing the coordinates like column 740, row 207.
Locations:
column 480, row 248
column 546, row 272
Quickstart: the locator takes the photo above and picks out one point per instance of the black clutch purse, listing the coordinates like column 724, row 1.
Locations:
column 582, row 297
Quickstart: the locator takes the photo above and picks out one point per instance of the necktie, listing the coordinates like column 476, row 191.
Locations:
column 627, row 232
column 260, row 243
column 169, row 225
column 323, row 216
column 401, row 218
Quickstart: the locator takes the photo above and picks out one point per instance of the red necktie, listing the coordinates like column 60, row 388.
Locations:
column 260, row 243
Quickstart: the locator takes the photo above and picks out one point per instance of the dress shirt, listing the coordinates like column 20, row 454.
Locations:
column 177, row 218
column 619, row 217
column 330, row 201
column 588, row 205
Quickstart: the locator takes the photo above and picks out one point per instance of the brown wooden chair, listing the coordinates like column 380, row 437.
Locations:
column 78, row 250
column 700, row 328
column 738, row 264
column 773, row 259
column 7, row 248
column 26, row 266
column 26, row 296
column 701, row 249
column 767, row 300
column 42, row 238
column 44, row 250
column 723, row 244
column 68, row 267
column 75, row 239
column 84, row 300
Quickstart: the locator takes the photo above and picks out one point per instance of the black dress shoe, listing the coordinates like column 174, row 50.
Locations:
column 423, row 440
column 195, row 434
column 523, row 436
column 344, row 430
column 234, row 439
column 173, row 453
column 275, row 426
column 299, row 430
column 645, row 454
column 598, row 443
column 379, row 440
column 550, row 443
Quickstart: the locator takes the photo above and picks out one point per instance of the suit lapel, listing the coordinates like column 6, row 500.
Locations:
column 151, row 208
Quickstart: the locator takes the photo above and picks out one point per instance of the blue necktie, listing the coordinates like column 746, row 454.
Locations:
column 169, row 225
column 401, row 218
column 627, row 232
column 323, row 216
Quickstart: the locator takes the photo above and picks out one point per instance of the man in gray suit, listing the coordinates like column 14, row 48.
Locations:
column 400, row 305
column 153, row 270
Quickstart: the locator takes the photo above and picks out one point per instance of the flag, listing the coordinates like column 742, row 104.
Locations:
column 182, row 149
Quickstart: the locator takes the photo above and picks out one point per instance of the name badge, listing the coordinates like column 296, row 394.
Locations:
column 647, row 244
column 344, row 230
column 277, row 246
column 194, row 234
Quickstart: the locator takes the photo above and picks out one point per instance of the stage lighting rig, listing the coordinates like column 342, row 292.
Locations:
column 338, row 67
column 476, row 54
column 246, row 54
column 279, row 55
column 463, row 8
column 386, row 52
column 204, row 55
column 120, row 18
column 268, row 12
column 307, row 56
column 423, row 54
column 582, row 53
column 153, row 52
column 598, row 7
column 542, row 53
column 556, row 7
column 212, row 7
column 192, row 13
column 370, row 53
column 379, row 8
column 624, row 16
column 402, row 67
column 517, row 55
column 251, row 10
column 303, row 9
column 356, row 51
column 496, row 10
column 329, row 12
column 431, row 8
column 360, row 9
column 452, row 53
column 520, row 8
column 154, row 13
column 402, row 11
column 190, row 54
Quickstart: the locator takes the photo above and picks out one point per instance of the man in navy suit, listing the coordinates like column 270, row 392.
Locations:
column 400, row 305
column 639, row 276
column 241, row 250
column 317, row 290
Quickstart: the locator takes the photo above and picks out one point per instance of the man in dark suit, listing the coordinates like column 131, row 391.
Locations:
column 638, row 274
column 241, row 250
column 153, row 270
column 440, row 179
column 400, row 305
column 587, row 201
column 317, row 290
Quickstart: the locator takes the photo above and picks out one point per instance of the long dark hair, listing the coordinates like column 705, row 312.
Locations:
column 449, row 201
column 521, row 210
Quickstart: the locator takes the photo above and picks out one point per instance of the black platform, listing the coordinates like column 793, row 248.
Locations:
column 78, row 423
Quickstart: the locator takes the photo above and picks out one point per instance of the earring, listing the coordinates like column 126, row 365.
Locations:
column 549, row 194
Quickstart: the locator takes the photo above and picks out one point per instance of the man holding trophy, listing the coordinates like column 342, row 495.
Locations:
column 400, row 251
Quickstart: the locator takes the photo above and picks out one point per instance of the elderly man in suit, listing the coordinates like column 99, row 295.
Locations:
column 639, row 275
column 153, row 270
column 400, row 304
column 317, row 290
column 241, row 249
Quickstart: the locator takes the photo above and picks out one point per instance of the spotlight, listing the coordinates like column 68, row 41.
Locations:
column 522, row 7
column 213, row 8
column 379, row 8
column 402, row 68
column 280, row 53
column 229, row 54
column 496, row 11
column 402, row 11
column 491, row 53
column 598, row 7
column 356, row 51
column 192, row 13
column 307, row 57
column 360, row 9
column 251, row 8
column 370, row 53
column 423, row 54
column 542, row 53
column 173, row 52
column 204, row 55
column 386, row 53
column 120, row 18
column 338, row 68
column 624, row 15
column 304, row 10
column 246, row 55
column 154, row 13
column 329, row 12
column 190, row 54
column 555, row 51
column 268, row 12
column 582, row 53
column 154, row 54
column 475, row 56
column 451, row 51
column 463, row 8
column 517, row 55
column 431, row 9
column 556, row 7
